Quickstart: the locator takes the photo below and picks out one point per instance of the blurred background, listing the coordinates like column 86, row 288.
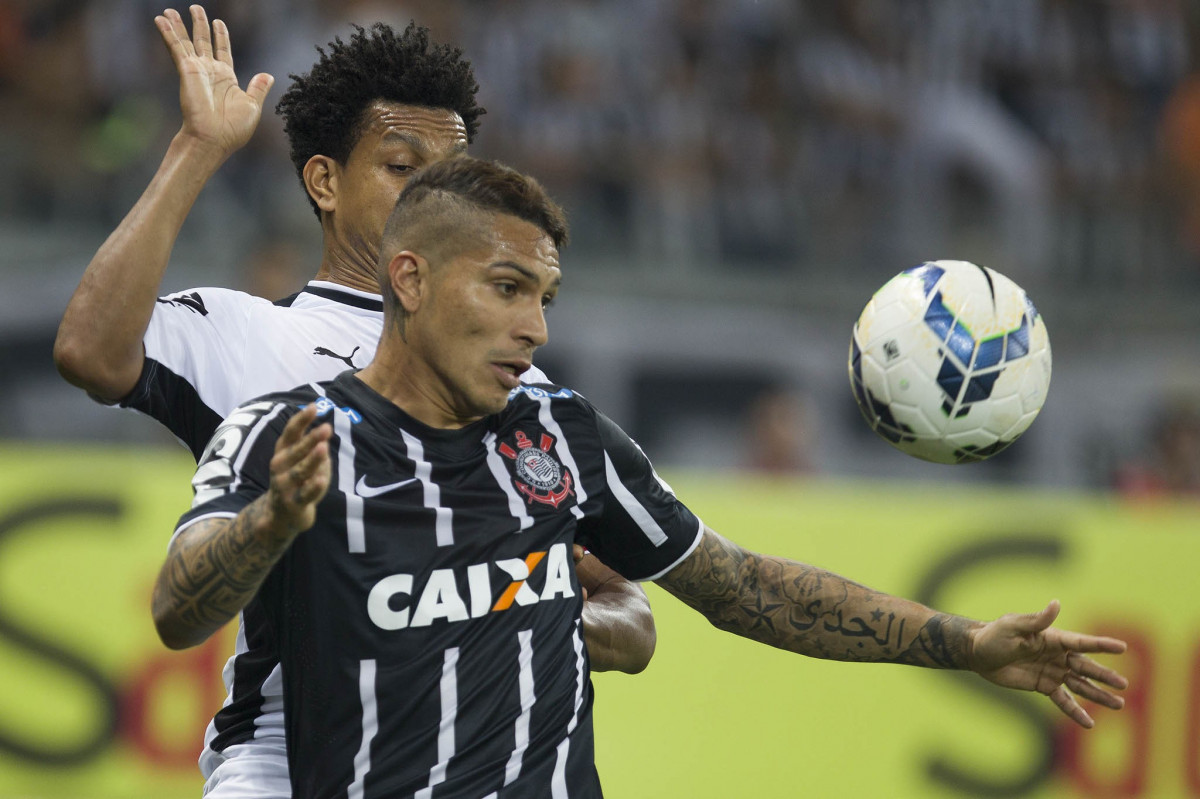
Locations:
column 741, row 176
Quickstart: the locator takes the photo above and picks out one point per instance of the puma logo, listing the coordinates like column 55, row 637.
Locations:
column 332, row 354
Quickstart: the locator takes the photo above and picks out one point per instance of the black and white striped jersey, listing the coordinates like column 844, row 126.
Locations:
column 208, row 350
column 429, row 622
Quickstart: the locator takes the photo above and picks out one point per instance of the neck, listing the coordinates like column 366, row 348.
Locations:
column 411, row 386
column 352, row 266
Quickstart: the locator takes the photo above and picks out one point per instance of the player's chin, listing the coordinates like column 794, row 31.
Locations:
column 492, row 401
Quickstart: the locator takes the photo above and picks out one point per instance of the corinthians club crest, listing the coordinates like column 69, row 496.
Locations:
column 538, row 476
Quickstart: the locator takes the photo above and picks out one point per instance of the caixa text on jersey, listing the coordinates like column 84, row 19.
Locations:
column 470, row 593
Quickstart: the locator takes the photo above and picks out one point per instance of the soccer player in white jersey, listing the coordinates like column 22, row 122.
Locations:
column 371, row 111
column 445, row 661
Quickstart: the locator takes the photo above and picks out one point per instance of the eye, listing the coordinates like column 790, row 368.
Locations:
column 547, row 302
column 507, row 288
column 401, row 168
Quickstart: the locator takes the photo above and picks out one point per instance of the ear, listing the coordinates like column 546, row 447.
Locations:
column 321, row 175
column 409, row 277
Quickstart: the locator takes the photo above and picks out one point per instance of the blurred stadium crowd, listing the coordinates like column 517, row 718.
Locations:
column 1057, row 140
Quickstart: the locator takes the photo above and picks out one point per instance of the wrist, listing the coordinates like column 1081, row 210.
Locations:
column 269, row 524
column 200, row 154
column 969, row 658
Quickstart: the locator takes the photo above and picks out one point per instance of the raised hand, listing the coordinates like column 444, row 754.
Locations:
column 300, row 473
column 216, row 111
column 1023, row 651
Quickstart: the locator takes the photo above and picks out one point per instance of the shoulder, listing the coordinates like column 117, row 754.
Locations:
column 551, row 403
column 207, row 300
column 277, row 405
column 537, row 394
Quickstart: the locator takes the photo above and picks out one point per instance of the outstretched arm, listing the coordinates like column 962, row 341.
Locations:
column 215, row 566
column 814, row 612
column 618, row 627
column 99, row 343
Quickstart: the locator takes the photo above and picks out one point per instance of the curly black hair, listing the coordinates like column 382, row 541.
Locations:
column 323, row 111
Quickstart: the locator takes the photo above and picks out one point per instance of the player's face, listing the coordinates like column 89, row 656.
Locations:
column 486, row 316
column 396, row 141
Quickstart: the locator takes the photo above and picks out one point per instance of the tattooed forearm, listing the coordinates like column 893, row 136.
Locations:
column 213, row 570
column 814, row 612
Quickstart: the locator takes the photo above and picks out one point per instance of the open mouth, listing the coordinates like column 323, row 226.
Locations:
column 510, row 373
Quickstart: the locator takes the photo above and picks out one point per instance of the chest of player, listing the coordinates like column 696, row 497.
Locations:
column 419, row 533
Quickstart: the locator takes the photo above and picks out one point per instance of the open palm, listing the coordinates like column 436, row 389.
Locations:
column 1023, row 651
column 216, row 111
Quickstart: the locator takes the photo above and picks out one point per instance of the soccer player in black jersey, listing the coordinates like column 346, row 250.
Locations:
column 404, row 531
column 371, row 110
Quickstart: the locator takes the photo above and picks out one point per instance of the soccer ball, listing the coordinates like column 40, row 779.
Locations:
column 950, row 362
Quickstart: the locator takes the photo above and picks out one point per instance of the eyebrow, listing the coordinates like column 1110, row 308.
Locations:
column 415, row 142
column 528, row 273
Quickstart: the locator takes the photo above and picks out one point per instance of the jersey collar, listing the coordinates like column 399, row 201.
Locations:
column 343, row 294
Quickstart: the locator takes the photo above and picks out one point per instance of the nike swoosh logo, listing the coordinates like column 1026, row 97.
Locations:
column 364, row 490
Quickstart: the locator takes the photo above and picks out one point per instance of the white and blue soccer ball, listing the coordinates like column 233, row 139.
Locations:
column 950, row 362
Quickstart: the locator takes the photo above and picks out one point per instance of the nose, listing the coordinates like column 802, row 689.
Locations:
column 532, row 327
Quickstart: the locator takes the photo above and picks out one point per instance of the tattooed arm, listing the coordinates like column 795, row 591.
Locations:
column 814, row 612
column 215, row 566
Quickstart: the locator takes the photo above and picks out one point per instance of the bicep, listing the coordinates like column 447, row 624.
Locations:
column 637, row 525
column 200, row 337
column 711, row 576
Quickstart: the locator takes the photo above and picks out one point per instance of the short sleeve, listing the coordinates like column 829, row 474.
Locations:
column 234, row 468
column 195, row 351
column 642, row 530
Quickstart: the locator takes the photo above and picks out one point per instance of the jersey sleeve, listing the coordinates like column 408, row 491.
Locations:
column 195, row 361
column 234, row 468
column 642, row 530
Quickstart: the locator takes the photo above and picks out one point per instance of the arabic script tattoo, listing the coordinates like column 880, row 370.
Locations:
column 815, row 612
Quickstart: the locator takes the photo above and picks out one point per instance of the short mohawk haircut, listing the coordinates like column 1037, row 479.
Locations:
column 323, row 110
column 488, row 186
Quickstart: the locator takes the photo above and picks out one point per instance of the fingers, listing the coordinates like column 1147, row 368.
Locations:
column 310, row 477
column 1078, row 678
column 1078, row 642
column 201, row 37
column 174, row 35
column 293, row 431
column 300, row 468
column 1062, row 698
column 181, row 46
column 1028, row 623
column 1087, row 690
column 577, row 552
column 221, row 48
column 298, row 444
column 258, row 87
column 1090, row 669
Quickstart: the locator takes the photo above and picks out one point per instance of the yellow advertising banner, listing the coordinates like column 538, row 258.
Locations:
column 718, row 716
column 91, row 705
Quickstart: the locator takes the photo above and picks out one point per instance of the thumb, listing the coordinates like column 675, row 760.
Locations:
column 258, row 87
column 1036, row 622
